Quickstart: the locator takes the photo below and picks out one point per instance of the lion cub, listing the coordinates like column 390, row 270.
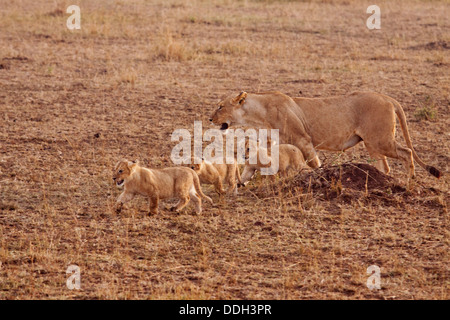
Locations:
column 290, row 157
column 216, row 174
column 175, row 182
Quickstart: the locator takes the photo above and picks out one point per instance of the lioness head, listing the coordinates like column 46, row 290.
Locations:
column 122, row 170
column 224, row 115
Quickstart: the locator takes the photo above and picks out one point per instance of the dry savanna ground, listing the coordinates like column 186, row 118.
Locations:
column 74, row 102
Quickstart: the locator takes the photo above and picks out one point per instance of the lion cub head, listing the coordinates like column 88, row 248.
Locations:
column 226, row 110
column 198, row 167
column 122, row 171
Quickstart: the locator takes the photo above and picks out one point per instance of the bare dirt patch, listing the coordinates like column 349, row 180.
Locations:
column 356, row 176
column 434, row 45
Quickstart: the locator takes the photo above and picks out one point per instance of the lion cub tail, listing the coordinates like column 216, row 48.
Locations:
column 402, row 119
column 238, row 174
column 198, row 188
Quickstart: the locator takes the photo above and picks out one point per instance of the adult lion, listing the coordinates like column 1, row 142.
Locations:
column 334, row 124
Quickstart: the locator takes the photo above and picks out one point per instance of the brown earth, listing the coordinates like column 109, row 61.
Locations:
column 75, row 102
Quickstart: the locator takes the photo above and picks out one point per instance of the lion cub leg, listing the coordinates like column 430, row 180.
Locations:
column 298, row 163
column 154, row 202
column 232, row 189
column 218, row 186
column 196, row 199
column 122, row 199
column 247, row 174
column 184, row 200
column 231, row 180
column 285, row 173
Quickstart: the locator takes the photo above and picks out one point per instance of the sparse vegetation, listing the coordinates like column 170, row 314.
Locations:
column 427, row 111
column 73, row 103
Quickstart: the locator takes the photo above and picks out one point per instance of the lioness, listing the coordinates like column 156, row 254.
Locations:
column 334, row 124
column 216, row 174
column 289, row 157
column 175, row 182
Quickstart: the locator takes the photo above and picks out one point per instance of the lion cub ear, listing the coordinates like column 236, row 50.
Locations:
column 241, row 97
column 132, row 163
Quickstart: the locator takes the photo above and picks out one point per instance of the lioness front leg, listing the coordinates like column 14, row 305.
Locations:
column 123, row 198
column 309, row 153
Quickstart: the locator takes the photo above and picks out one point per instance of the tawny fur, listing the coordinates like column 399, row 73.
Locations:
column 157, row 184
column 335, row 124
column 289, row 158
column 217, row 174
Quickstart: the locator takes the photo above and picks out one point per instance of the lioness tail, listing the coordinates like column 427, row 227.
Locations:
column 402, row 119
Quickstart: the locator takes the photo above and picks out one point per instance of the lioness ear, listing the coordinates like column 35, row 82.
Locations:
column 241, row 97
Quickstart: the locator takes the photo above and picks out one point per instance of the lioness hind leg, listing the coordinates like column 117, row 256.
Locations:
column 396, row 151
column 381, row 162
column 405, row 154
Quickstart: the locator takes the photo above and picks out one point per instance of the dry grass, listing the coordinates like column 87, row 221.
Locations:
column 74, row 102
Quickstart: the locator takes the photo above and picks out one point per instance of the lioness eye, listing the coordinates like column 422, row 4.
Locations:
column 220, row 107
column 120, row 171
